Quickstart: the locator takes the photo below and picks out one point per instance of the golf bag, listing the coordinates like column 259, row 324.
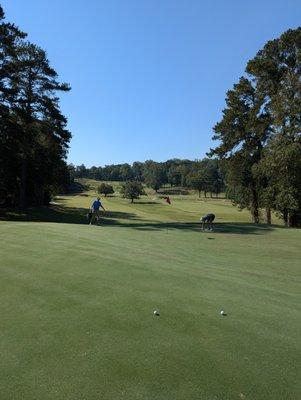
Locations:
column 89, row 216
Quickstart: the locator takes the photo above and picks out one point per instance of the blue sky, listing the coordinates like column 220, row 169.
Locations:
column 148, row 77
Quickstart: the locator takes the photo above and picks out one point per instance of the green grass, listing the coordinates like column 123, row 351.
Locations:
column 77, row 303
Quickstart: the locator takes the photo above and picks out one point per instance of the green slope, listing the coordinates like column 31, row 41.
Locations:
column 77, row 304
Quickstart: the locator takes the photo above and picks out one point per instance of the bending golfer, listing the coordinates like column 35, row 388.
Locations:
column 95, row 210
column 208, row 219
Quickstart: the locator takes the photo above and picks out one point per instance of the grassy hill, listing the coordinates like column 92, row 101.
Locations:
column 77, row 303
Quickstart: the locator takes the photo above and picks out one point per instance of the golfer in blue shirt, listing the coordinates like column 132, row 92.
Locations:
column 96, row 205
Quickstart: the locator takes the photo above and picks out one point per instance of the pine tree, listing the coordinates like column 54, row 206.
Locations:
column 243, row 132
column 10, row 132
column 35, row 103
column 277, row 73
column 33, row 134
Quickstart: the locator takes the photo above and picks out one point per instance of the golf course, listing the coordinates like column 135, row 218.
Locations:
column 77, row 301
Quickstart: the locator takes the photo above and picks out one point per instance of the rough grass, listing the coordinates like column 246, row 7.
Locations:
column 77, row 303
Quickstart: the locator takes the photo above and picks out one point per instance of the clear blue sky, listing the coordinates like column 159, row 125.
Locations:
column 148, row 77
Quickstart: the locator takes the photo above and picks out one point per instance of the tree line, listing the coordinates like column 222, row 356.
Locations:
column 202, row 175
column 33, row 134
column 260, row 132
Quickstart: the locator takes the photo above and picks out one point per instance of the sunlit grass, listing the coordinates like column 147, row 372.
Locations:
column 77, row 303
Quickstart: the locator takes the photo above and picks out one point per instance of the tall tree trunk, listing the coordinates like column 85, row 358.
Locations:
column 41, row 198
column 295, row 220
column 255, row 214
column 285, row 218
column 268, row 216
column 254, row 206
column 23, row 184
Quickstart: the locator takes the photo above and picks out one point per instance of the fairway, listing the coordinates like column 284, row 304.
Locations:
column 77, row 303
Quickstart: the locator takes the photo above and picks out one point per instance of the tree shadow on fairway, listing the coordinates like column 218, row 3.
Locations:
column 242, row 228
column 58, row 214
column 143, row 225
column 224, row 228
column 72, row 215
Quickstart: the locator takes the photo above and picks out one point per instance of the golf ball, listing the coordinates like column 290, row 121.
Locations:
column 156, row 312
column 223, row 312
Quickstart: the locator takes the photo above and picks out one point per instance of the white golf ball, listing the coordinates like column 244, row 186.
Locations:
column 156, row 312
column 223, row 312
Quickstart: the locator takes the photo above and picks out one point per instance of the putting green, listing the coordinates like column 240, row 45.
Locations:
column 77, row 303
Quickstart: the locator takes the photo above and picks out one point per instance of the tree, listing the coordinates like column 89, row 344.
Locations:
column 195, row 181
column 132, row 190
column 206, row 176
column 126, row 173
column 213, row 177
column 105, row 188
column 137, row 169
column 114, row 172
column 280, row 171
column 81, row 171
column 36, row 104
column 174, row 175
column 277, row 73
column 153, row 175
column 260, row 132
column 184, row 170
column 10, row 130
column 33, row 135
column 243, row 132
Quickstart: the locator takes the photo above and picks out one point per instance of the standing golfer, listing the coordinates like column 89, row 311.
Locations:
column 95, row 210
column 207, row 219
